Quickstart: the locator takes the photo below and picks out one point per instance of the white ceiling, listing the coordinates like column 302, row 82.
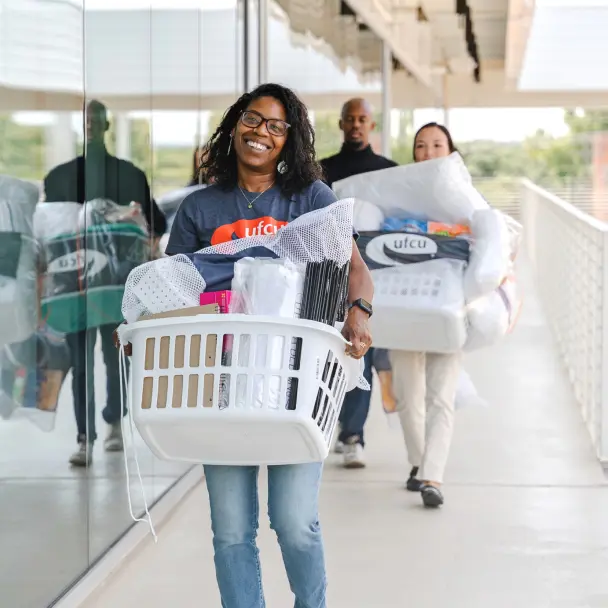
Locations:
column 567, row 47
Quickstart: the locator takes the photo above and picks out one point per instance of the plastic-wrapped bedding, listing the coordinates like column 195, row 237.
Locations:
column 491, row 254
column 493, row 316
column 420, row 307
column 439, row 190
column 18, row 260
column 88, row 261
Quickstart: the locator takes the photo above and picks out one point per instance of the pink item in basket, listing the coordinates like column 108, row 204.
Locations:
column 221, row 298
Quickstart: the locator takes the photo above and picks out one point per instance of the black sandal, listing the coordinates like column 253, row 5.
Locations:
column 431, row 496
column 413, row 484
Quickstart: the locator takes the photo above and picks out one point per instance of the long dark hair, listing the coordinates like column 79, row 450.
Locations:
column 443, row 129
column 299, row 155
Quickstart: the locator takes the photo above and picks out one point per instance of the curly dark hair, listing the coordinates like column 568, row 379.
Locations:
column 299, row 155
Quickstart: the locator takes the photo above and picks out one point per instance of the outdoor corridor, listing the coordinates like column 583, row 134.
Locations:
column 524, row 524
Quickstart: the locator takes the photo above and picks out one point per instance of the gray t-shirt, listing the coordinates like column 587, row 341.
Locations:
column 213, row 215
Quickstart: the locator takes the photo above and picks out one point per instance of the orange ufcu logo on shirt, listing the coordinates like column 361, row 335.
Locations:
column 244, row 228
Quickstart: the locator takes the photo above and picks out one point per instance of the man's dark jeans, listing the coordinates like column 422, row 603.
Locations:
column 82, row 351
column 356, row 407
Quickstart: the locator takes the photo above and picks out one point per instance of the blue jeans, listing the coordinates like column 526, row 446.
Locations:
column 293, row 493
column 82, row 353
column 356, row 406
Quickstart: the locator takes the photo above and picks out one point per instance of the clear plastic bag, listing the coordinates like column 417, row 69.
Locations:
column 491, row 253
column 492, row 317
column 31, row 376
column 18, row 260
column 439, row 190
column 267, row 287
column 270, row 287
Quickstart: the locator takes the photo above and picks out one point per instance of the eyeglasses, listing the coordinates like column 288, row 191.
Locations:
column 253, row 119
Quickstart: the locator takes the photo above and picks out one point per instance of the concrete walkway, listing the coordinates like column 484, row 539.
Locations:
column 525, row 522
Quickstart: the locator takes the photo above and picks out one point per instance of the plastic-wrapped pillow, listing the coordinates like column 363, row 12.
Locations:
column 490, row 258
column 367, row 216
column 493, row 316
column 438, row 190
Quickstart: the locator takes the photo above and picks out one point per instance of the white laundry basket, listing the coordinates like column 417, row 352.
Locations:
column 420, row 307
column 236, row 389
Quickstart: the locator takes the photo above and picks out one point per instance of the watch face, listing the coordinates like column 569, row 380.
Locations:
column 365, row 304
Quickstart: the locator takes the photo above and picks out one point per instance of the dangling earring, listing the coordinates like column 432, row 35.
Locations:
column 229, row 146
column 282, row 167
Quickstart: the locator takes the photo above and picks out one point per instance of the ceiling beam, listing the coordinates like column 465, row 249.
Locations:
column 520, row 17
column 382, row 25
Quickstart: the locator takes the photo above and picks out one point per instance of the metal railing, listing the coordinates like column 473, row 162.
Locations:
column 569, row 252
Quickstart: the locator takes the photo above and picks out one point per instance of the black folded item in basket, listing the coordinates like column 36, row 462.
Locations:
column 391, row 248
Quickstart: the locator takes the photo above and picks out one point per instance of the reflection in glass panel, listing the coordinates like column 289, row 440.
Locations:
column 88, row 191
column 44, row 504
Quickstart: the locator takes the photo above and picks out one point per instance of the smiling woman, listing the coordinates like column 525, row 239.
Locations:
column 264, row 174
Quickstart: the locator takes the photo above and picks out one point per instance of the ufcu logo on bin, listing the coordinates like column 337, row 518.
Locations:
column 92, row 262
column 404, row 244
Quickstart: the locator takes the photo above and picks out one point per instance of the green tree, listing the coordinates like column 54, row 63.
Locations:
column 22, row 149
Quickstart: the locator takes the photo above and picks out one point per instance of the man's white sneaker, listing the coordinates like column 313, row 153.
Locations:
column 353, row 456
column 339, row 448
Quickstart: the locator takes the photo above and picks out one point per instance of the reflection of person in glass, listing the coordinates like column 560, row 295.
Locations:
column 102, row 176
column 198, row 158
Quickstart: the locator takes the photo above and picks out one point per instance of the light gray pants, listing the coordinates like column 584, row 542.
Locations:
column 425, row 389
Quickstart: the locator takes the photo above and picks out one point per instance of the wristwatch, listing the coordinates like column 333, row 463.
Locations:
column 364, row 305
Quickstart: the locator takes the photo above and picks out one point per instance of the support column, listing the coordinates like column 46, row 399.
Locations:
column 387, row 76
column 245, row 41
column 445, row 101
column 122, row 128
column 60, row 140
column 263, row 26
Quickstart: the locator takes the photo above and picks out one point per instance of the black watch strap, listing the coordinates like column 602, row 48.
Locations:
column 364, row 305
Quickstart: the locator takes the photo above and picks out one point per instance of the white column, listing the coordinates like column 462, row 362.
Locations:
column 263, row 25
column 445, row 101
column 122, row 128
column 387, row 76
column 60, row 140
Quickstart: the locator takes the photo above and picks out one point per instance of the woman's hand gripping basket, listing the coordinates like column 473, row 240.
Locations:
column 258, row 404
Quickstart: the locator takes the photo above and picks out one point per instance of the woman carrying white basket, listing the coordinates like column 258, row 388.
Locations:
column 425, row 383
column 262, row 164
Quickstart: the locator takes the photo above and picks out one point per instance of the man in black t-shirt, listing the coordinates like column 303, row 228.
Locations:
column 99, row 175
column 356, row 156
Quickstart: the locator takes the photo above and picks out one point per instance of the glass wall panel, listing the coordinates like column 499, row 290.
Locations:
column 98, row 131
